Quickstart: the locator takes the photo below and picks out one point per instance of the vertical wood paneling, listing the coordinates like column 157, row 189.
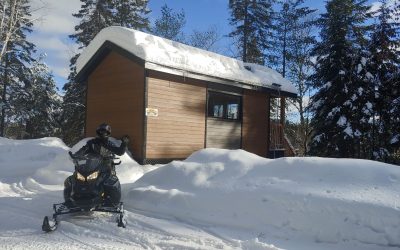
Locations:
column 179, row 128
column 255, row 122
column 116, row 96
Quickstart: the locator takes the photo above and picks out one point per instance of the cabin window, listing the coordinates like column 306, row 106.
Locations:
column 224, row 106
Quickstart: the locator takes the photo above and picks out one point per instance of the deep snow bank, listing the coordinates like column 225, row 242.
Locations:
column 324, row 200
column 32, row 166
column 28, row 166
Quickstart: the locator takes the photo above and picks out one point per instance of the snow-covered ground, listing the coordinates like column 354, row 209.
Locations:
column 216, row 199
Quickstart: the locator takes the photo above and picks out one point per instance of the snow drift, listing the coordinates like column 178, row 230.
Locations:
column 323, row 200
column 215, row 199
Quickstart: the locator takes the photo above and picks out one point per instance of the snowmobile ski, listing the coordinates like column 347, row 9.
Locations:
column 61, row 209
column 49, row 226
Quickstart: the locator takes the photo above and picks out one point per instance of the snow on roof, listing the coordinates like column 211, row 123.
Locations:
column 168, row 53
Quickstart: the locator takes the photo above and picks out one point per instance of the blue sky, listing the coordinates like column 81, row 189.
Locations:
column 56, row 23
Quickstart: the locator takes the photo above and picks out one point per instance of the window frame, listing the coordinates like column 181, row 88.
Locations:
column 211, row 94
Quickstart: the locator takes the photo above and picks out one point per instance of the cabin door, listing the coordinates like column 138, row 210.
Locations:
column 224, row 121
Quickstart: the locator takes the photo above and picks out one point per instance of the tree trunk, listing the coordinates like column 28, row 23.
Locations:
column 4, row 97
column 245, row 31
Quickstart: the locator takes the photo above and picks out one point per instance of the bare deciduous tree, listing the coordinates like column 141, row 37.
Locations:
column 205, row 39
column 11, row 18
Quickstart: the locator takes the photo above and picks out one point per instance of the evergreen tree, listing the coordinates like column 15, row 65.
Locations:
column 289, row 20
column 17, row 57
column 170, row 24
column 131, row 13
column 341, row 86
column 95, row 15
column 291, row 55
column 36, row 107
column 252, row 21
column 384, row 72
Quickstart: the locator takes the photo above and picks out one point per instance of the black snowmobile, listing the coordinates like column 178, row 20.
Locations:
column 88, row 192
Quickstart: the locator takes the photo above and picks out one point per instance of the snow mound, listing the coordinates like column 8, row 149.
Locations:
column 44, row 159
column 324, row 200
column 32, row 166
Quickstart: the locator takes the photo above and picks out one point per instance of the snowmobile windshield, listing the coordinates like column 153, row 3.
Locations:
column 89, row 163
column 94, row 161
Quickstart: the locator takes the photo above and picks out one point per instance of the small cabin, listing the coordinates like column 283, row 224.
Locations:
column 173, row 99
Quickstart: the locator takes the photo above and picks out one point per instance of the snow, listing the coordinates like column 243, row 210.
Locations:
column 369, row 76
column 167, row 53
column 363, row 61
column 348, row 130
column 395, row 139
column 333, row 112
column 342, row 121
column 215, row 199
column 359, row 68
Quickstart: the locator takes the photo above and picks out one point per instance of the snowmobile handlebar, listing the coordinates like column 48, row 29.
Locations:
column 85, row 157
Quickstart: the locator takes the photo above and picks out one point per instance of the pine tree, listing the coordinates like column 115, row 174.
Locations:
column 252, row 21
column 16, row 59
column 384, row 72
column 341, row 87
column 291, row 55
column 289, row 20
column 95, row 15
column 170, row 24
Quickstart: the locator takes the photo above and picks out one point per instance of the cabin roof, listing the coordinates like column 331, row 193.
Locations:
column 154, row 50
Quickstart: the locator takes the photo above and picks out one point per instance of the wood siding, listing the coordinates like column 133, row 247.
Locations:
column 223, row 134
column 179, row 128
column 116, row 96
column 255, row 122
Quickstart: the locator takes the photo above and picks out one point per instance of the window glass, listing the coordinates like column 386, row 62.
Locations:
column 224, row 106
column 233, row 110
column 218, row 110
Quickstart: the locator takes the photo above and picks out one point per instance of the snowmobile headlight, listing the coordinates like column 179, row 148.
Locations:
column 80, row 177
column 93, row 176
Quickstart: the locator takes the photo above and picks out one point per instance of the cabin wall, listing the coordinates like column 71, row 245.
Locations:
column 179, row 128
column 115, row 95
column 255, row 131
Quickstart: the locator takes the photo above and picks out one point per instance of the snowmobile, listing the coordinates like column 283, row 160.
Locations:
column 88, row 192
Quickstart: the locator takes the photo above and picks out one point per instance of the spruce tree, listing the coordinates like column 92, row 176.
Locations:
column 16, row 59
column 170, row 24
column 252, row 22
column 341, row 86
column 37, row 105
column 95, row 15
column 384, row 72
column 131, row 13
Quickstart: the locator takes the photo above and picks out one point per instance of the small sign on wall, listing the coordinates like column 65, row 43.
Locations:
column 151, row 112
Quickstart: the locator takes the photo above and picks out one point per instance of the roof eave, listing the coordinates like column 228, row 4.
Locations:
column 108, row 46
column 213, row 79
